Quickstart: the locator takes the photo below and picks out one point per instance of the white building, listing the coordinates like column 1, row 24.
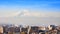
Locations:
column 42, row 28
column 49, row 27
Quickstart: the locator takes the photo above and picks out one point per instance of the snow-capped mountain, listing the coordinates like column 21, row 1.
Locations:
column 27, row 13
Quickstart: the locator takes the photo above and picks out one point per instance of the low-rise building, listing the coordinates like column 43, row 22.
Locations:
column 34, row 30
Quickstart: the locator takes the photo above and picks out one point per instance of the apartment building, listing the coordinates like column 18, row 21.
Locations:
column 1, row 30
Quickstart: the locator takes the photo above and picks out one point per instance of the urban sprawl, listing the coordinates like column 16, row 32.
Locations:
column 19, row 29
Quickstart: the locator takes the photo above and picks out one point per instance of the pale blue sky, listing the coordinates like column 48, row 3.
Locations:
column 50, row 5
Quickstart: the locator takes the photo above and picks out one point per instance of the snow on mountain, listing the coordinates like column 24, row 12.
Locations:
column 27, row 13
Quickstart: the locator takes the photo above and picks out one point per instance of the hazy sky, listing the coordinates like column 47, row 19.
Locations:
column 12, row 10
column 13, row 6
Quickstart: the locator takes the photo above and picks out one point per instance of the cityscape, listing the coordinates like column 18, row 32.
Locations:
column 29, row 16
column 20, row 29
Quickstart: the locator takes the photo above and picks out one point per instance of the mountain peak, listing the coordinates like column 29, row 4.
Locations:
column 24, row 13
